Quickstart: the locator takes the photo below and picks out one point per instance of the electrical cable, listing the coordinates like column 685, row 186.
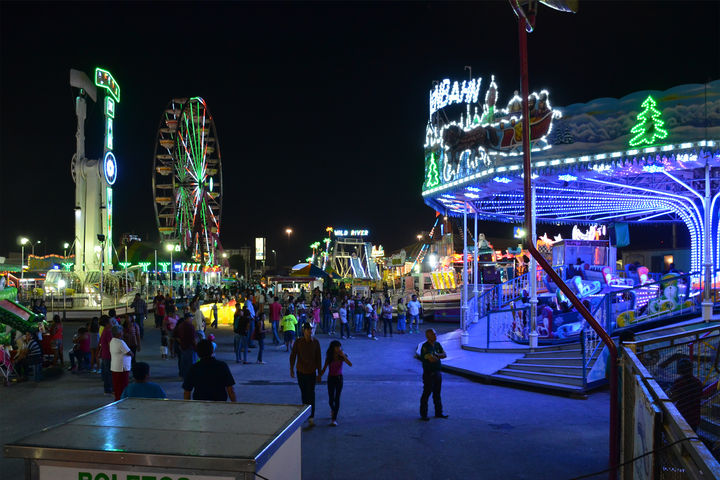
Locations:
column 636, row 458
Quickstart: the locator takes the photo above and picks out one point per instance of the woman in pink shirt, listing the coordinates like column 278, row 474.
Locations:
column 334, row 359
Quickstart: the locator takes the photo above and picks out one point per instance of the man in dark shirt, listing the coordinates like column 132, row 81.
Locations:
column 209, row 379
column 185, row 336
column 326, row 312
column 307, row 352
column 686, row 393
column 431, row 352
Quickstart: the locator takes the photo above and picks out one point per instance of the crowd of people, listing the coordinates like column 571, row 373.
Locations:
column 109, row 344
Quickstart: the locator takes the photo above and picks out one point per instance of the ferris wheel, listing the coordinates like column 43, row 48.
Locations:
column 187, row 178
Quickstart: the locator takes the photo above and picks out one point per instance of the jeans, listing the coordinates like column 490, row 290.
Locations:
column 345, row 327
column 261, row 347
column 335, row 385
column 250, row 333
column 187, row 358
column 432, row 382
column 276, row 337
column 140, row 320
column 358, row 322
column 105, row 374
column 241, row 347
column 387, row 325
column 416, row 320
column 401, row 323
column 307, row 390
column 326, row 319
column 331, row 324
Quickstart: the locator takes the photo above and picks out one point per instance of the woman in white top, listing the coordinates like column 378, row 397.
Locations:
column 120, row 362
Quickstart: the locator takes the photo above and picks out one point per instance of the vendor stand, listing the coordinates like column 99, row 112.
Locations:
column 149, row 439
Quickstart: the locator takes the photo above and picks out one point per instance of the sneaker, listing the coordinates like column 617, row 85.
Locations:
column 334, row 423
column 442, row 416
column 261, row 362
column 370, row 336
column 425, row 419
column 246, row 363
column 374, row 338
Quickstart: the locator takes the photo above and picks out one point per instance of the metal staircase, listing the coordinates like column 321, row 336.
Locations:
column 555, row 368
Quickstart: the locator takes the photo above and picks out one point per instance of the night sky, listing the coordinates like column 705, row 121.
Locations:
column 320, row 107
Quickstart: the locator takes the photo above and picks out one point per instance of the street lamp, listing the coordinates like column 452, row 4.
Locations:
column 66, row 245
column 289, row 232
column 23, row 242
column 419, row 236
column 170, row 247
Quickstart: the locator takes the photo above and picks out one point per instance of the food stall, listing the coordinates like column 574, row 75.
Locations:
column 150, row 439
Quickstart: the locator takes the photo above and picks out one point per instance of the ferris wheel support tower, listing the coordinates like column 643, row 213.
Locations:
column 93, row 178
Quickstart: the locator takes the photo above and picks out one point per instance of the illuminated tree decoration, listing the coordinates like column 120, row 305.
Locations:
column 433, row 176
column 649, row 126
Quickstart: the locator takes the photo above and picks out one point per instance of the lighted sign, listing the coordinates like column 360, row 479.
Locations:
column 110, row 168
column 108, row 227
column 259, row 249
column 351, row 233
column 377, row 251
column 109, row 134
column 109, row 107
column 448, row 93
column 104, row 79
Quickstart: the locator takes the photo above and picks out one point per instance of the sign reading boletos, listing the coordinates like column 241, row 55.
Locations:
column 48, row 472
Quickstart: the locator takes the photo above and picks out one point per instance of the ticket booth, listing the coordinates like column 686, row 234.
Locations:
column 148, row 439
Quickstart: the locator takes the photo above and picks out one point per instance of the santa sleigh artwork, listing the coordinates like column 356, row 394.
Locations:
column 502, row 130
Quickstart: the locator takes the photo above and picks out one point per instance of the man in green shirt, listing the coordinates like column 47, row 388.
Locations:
column 431, row 352
column 288, row 326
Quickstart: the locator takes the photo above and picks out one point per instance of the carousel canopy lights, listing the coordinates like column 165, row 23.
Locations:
column 473, row 189
column 502, row 180
column 567, row 178
column 653, row 168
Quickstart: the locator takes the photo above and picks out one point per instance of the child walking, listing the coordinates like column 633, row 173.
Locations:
column 334, row 359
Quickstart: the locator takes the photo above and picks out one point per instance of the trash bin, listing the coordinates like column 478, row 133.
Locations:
column 149, row 439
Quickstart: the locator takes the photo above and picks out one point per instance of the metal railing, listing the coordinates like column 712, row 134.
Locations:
column 643, row 303
column 654, row 422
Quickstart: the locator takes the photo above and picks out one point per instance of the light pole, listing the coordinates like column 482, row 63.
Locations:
column 23, row 241
column 61, row 285
column 170, row 247
column 66, row 245
column 289, row 232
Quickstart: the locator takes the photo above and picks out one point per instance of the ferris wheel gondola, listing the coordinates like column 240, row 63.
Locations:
column 187, row 179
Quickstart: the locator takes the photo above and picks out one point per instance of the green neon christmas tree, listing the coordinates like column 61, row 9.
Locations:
column 649, row 126
column 433, row 176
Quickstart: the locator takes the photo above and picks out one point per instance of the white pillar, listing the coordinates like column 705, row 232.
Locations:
column 475, row 274
column 707, row 304
column 532, row 274
column 464, row 296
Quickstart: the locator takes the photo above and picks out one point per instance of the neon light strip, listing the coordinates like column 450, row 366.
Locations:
column 582, row 158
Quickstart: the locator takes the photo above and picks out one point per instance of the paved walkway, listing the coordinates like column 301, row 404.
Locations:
column 493, row 431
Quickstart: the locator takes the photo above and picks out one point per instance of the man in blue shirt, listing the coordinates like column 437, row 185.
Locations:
column 142, row 388
column 430, row 353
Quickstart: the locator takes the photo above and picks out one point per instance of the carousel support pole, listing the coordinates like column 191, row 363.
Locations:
column 475, row 274
column 532, row 275
column 465, row 337
column 528, row 20
column 707, row 303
